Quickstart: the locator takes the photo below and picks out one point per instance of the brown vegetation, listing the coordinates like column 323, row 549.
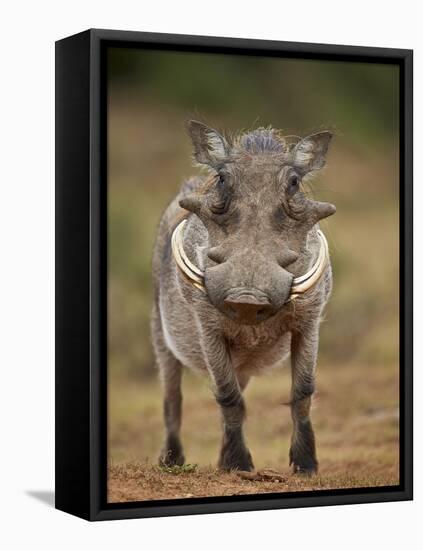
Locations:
column 138, row 481
column 357, row 435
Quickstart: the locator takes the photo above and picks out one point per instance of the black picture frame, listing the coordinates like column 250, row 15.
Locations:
column 81, row 274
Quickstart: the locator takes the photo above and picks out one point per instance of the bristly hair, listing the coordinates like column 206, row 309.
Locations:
column 262, row 140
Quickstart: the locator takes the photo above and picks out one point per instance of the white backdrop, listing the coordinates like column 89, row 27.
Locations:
column 29, row 30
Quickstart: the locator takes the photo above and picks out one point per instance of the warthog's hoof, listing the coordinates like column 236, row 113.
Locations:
column 172, row 454
column 236, row 459
column 301, row 470
column 303, row 465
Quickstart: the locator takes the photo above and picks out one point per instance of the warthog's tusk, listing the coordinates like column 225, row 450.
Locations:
column 191, row 272
column 309, row 279
column 196, row 276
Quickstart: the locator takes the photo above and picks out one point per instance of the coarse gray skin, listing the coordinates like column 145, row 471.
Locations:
column 252, row 230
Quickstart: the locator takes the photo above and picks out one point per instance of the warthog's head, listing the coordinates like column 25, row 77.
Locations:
column 256, row 215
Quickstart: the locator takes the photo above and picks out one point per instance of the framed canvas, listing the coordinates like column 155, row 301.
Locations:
column 198, row 250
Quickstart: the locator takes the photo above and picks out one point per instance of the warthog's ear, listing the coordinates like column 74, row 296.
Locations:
column 310, row 153
column 209, row 146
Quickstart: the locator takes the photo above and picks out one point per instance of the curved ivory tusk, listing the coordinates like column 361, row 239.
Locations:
column 196, row 277
column 309, row 279
column 192, row 272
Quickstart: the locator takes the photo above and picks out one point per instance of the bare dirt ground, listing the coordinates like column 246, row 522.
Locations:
column 355, row 417
column 139, row 481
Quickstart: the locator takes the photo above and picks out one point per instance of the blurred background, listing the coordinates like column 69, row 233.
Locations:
column 151, row 95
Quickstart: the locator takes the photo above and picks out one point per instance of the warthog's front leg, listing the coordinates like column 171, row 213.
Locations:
column 234, row 454
column 304, row 346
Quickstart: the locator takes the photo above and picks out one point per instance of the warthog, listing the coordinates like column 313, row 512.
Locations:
column 242, row 274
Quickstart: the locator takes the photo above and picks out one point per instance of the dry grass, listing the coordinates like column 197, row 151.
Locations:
column 137, row 481
column 355, row 417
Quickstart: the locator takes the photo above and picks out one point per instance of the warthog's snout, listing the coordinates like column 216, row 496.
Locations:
column 248, row 307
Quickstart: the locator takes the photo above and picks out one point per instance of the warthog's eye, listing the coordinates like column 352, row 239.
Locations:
column 221, row 200
column 293, row 184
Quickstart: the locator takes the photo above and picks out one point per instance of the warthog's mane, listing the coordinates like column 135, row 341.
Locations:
column 261, row 141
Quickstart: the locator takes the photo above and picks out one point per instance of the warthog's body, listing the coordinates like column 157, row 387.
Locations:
column 250, row 230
